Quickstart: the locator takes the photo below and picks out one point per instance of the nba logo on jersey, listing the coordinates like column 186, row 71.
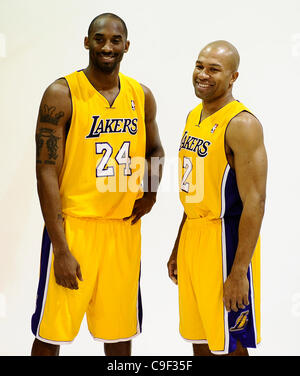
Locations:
column 214, row 128
column 132, row 105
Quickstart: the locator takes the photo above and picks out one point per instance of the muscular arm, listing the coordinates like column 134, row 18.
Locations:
column 154, row 159
column 54, row 115
column 244, row 137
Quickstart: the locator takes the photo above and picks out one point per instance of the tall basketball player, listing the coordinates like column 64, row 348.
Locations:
column 95, row 128
column 222, row 172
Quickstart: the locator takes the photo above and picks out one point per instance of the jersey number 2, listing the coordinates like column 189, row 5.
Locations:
column 195, row 191
column 187, row 164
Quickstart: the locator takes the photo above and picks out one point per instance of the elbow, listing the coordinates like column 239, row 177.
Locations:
column 156, row 152
column 255, row 204
column 262, row 204
column 46, row 176
column 161, row 152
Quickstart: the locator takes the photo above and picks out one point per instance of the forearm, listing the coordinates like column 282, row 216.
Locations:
column 248, row 233
column 153, row 171
column 48, row 190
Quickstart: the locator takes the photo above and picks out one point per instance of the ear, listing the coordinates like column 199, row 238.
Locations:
column 234, row 77
column 127, row 44
column 86, row 43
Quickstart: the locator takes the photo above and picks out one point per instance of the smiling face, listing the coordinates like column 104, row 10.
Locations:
column 107, row 42
column 215, row 71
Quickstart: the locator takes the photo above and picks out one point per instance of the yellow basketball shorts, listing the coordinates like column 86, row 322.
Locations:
column 205, row 256
column 108, row 252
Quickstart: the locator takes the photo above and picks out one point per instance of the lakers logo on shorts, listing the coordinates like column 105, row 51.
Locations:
column 241, row 322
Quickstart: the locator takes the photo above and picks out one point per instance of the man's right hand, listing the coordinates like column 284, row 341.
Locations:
column 66, row 270
column 172, row 267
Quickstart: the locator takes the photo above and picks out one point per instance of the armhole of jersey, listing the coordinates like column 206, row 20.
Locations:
column 139, row 85
column 68, row 125
column 144, row 102
column 139, row 93
column 187, row 116
column 224, row 141
column 144, row 112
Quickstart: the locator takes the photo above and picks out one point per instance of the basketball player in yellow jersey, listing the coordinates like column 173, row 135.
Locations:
column 95, row 129
column 222, row 181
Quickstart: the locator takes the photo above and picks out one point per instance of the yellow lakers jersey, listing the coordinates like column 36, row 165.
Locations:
column 105, row 150
column 207, row 184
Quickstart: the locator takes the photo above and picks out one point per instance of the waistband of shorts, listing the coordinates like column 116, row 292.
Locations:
column 204, row 220
column 94, row 219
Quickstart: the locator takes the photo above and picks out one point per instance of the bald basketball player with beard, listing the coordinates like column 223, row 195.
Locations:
column 222, row 175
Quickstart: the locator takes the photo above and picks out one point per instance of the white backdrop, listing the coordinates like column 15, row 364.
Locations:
column 41, row 41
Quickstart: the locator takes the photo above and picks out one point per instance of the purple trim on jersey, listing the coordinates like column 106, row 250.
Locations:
column 233, row 210
column 233, row 202
column 46, row 243
column 68, row 125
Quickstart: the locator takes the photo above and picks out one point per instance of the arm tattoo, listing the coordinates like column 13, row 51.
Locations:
column 47, row 115
column 47, row 134
column 39, row 144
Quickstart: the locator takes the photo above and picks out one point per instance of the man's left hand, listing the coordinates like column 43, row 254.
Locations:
column 235, row 292
column 142, row 206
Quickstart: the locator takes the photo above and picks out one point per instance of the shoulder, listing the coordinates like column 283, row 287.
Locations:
column 244, row 129
column 57, row 98
column 148, row 93
column 150, row 103
column 59, row 89
column 244, row 122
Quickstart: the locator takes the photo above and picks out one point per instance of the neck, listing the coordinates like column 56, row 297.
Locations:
column 102, row 80
column 210, row 107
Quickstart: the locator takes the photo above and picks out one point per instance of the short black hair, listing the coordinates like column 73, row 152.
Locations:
column 103, row 15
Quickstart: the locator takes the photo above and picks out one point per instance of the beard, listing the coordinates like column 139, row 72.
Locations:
column 106, row 67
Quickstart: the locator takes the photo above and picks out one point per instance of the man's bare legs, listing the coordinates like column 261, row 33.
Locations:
column 118, row 349
column 40, row 348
